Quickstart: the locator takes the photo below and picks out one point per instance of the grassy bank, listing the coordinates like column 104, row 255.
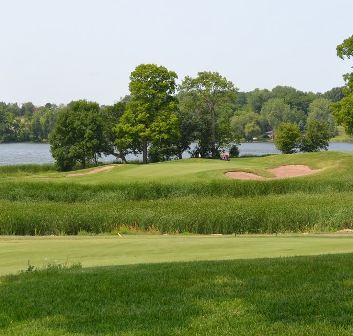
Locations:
column 182, row 196
column 290, row 296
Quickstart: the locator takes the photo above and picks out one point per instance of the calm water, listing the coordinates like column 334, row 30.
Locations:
column 18, row 153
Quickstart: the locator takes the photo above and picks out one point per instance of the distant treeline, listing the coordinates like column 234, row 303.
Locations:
column 253, row 114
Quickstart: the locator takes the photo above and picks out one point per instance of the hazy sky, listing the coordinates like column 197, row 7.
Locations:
column 60, row 50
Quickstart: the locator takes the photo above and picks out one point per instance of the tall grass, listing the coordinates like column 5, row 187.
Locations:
column 265, row 214
column 26, row 169
column 74, row 192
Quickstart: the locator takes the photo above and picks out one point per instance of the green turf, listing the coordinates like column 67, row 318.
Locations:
column 17, row 252
column 288, row 296
column 180, row 170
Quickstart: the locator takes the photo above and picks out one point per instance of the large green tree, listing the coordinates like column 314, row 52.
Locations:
column 150, row 117
column 343, row 110
column 211, row 99
column 78, row 136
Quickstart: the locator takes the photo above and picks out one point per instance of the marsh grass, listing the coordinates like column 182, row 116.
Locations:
column 26, row 169
column 262, row 214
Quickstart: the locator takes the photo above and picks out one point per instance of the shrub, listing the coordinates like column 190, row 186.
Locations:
column 234, row 151
column 316, row 136
column 287, row 138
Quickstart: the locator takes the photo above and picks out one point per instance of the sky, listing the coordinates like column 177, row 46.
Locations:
column 61, row 50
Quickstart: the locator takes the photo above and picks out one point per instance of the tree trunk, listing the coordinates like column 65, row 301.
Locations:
column 213, row 133
column 144, row 152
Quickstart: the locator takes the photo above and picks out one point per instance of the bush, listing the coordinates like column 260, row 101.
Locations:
column 234, row 151
column 316, row 136
column 287, row 138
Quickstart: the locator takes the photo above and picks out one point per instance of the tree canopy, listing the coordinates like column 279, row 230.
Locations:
column 210, row 98
column 150, row 117
column 343, row 109
column 78, row 136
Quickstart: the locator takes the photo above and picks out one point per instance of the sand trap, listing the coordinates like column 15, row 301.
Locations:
column 92, row 171
column 240, row 175
column 279, row 173
column 292, row 171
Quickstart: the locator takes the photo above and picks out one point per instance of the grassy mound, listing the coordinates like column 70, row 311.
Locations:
column 291, row 296
column 181, row 196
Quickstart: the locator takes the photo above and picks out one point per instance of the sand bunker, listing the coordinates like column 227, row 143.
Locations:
column 240, row 175
column 92, row 171
column 279, row 173
column 292, row 171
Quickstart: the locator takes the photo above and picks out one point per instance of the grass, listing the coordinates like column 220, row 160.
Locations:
column 181, row 196
column 17, row 253
column 26, row 169
column 284, row 296
column 182, row 284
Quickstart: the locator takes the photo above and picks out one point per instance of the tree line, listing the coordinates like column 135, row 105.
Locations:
column 161, row 120
column 320, row 124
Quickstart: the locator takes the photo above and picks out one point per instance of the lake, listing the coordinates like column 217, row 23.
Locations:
column 19, row 153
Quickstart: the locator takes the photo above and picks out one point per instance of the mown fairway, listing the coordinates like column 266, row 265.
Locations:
column 288, row 296
column 17, row 252
column 181, row 196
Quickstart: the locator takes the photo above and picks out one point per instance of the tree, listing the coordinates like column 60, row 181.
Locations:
column 287, row 138
column 297, row 100
column 3, row 122
column 187, row 128
column 211, row 100
column 150, row 116
column 42, row 122
column 111, row 117
column 343, row 110
column 78, row 136
column 316, row 136
column 334, row 95
column 27, row 109
column 321, row 110
column 247, row 125
column 345, row 50
column 257, row 98
column 276, row 111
